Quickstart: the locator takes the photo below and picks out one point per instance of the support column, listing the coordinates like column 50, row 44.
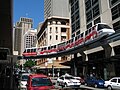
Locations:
column 74, row 64
column 84, row 58
column 109, row 51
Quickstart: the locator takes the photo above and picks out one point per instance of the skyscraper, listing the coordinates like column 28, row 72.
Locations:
column 21, row 28
column 30, row 38
column 56, row 8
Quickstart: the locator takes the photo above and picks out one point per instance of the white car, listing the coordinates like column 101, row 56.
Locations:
column 68, row 81
column 113, row 83
column 23, row 81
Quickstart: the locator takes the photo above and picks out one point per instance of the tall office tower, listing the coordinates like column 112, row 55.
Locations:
column 85, row 13
column 30, row 38
column 21, row 28
column 56, row 8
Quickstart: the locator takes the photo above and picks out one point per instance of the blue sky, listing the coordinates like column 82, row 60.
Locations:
column 29, row 8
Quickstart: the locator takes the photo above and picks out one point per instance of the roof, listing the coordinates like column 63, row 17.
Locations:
column 37, row 75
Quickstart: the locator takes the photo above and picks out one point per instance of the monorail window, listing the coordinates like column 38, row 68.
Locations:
column 76, row 38
column 54, row 46
column 49, row 48
column 102, row 26
column 93, row 28
column 86, row 32
column 33, row 50
column 28, row 50
column 45, row 48
column 72, row 40
column 81, row 34
column 90, row 30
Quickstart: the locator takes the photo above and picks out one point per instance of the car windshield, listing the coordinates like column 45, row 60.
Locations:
column 39, row 81
column 24, row 77
column 69, row 78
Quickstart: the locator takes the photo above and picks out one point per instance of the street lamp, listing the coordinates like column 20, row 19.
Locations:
column 53, row 66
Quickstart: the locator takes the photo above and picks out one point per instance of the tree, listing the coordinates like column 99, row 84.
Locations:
column 29, row 63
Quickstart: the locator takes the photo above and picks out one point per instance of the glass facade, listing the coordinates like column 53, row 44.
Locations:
column 92, row 11
column 75, row 17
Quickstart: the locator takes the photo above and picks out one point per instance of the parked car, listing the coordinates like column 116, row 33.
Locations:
column 68, row 81
column 82, row 81
column 23, row 81
column 93, row 81
column 39, row 82
column 113, row 83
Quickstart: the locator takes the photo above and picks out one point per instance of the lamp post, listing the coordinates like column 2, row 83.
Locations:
column 53, row 67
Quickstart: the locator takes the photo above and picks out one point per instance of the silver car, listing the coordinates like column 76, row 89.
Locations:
column 113, row 83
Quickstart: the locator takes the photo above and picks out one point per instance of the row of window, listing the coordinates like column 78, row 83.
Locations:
column 92, row 13
column 51, row 37
column 97, row 20
column 116, row 26
column 75, row 17
column 90, row 3
column 115, row 12
column 113, row 2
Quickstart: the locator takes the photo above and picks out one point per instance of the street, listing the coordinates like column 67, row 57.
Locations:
column 82, row 87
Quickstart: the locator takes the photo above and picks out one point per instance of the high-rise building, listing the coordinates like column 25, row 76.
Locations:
column 86, row 13
column 20, row 29
column 56, row 8
column 30, row 38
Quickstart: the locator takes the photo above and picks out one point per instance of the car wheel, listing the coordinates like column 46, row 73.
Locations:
column 58, row 83
column 109, row 88
column 85, row 84
column 95, row 85
column 65, row 85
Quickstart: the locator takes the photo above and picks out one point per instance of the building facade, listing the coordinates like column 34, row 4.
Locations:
column 56, row 8
column 84, row 14
column 53, row 31
column 20, row 29
column 30, row 38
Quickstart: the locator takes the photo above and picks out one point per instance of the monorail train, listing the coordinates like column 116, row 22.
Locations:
column 99, row 30
column 30, row 51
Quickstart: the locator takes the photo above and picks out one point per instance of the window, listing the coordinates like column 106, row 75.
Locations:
column 89, row 25
column 50, row 37
column 50, row 29
column 77, row 24
column 115, row 12
column 96, row 10
column 118, row 80
column 97, row 21
column 73, row 28
column 77, row 15
column 56, row 29
column 76, row 5
column 78, row 32
column 114, row 80
column 56, row 37
column 72, row 10
column 73, row 18
column 89, row 16
column 88, row 4
column 116, row 26
column 112, row 2
column 94, row 2
column 38, row 81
